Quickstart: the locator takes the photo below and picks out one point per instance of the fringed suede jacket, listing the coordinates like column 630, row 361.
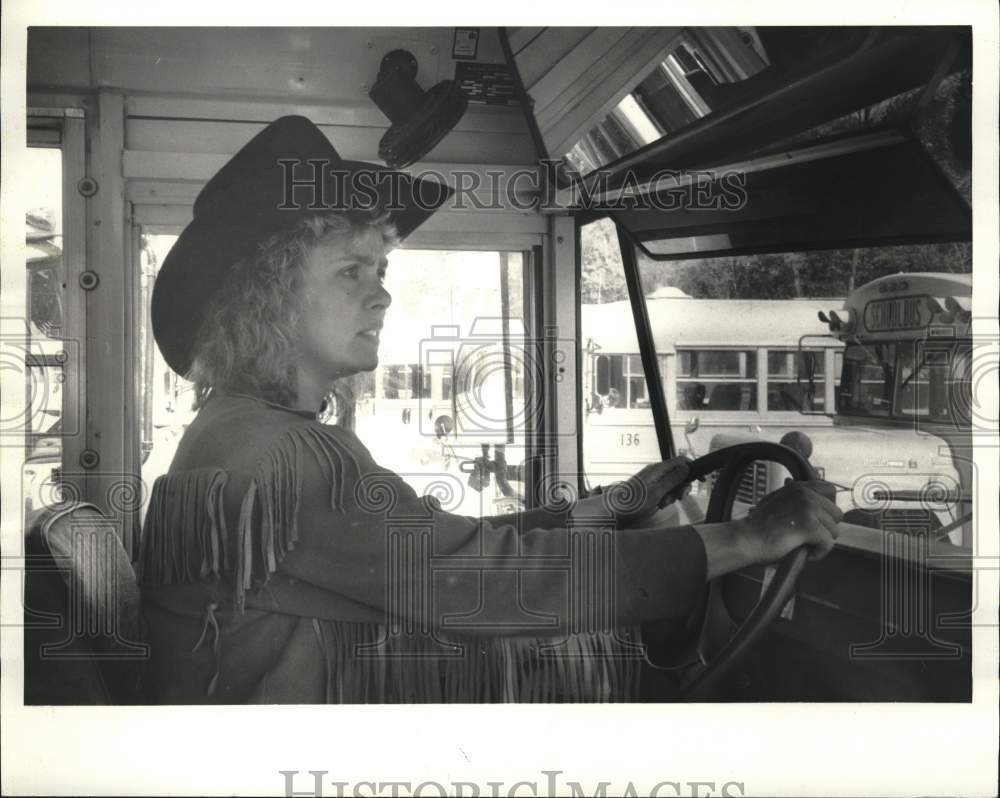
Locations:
column 280, row 564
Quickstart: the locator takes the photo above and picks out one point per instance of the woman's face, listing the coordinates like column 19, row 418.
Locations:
column 344, row 303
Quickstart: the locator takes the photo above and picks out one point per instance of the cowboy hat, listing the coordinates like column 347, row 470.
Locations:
column 287, row 172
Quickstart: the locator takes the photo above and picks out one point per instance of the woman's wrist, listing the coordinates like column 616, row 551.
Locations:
column 728, row 547
column 592, row 509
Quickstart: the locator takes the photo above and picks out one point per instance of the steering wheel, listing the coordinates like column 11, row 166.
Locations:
column 733, row 461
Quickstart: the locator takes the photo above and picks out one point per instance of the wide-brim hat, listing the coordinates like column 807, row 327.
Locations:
column 287, row 172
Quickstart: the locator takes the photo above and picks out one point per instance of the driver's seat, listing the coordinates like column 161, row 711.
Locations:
column 82, row 621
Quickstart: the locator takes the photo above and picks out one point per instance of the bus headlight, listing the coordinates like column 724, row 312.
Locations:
column 798, row 441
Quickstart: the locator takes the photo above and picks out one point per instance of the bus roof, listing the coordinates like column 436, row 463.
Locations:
column 676, row 321
column 906, row 306
column 680, row 321
column 914, row 283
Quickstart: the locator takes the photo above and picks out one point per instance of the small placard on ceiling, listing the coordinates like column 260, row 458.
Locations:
column 490, row 84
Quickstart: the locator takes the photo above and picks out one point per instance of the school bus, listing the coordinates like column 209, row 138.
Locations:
column 884, row 441
column 746, row 178
column 764, row 382
column 906, row 379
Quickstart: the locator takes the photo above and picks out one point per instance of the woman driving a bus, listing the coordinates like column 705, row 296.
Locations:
column 281, row 564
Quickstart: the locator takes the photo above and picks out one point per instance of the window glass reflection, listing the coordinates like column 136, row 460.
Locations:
column 42, row 349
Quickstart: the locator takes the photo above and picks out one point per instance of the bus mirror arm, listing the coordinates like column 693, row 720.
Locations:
column 689, row 429
column 480, row 468
column 503, row 471
column 855, row 341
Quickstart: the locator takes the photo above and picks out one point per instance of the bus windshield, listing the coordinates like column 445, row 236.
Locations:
column 925, row 380
column 867, row 380
column 858, row 359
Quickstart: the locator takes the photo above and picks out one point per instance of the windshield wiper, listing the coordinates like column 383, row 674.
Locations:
column 914, row 373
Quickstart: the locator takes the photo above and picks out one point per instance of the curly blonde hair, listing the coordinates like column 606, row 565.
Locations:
column 247, row 340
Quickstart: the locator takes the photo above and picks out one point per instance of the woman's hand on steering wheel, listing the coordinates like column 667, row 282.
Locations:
column 799, row 514
column 640, row 496
column 654, row 487
column 797, row 522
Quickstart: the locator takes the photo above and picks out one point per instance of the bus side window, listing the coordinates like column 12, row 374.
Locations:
column 41, row 349
column 795, row 380
column 603, row 375
column 614, row 390
column 692, row 396
column 717, row 379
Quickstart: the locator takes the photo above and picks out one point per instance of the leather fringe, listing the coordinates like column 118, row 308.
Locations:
column 364, row 666
column 185, row 535
column 185, row 539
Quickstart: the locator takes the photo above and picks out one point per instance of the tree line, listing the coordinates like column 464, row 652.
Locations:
column 942, row 126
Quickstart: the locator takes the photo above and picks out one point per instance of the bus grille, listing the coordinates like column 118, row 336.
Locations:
column 753, row 484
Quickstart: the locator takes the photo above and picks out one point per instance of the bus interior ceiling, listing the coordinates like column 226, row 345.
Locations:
column 192, row 96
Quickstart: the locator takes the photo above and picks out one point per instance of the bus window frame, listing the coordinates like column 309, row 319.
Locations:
column 900, row 347
column 627, row 396
column 747, row 355
column 760, row 351
column 917, row 346
column 832, row 374
column 658, row 402
column 532, row 248
column 827, row 378
column 64, row 128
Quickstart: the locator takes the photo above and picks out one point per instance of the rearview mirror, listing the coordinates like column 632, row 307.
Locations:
column 689, row 429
